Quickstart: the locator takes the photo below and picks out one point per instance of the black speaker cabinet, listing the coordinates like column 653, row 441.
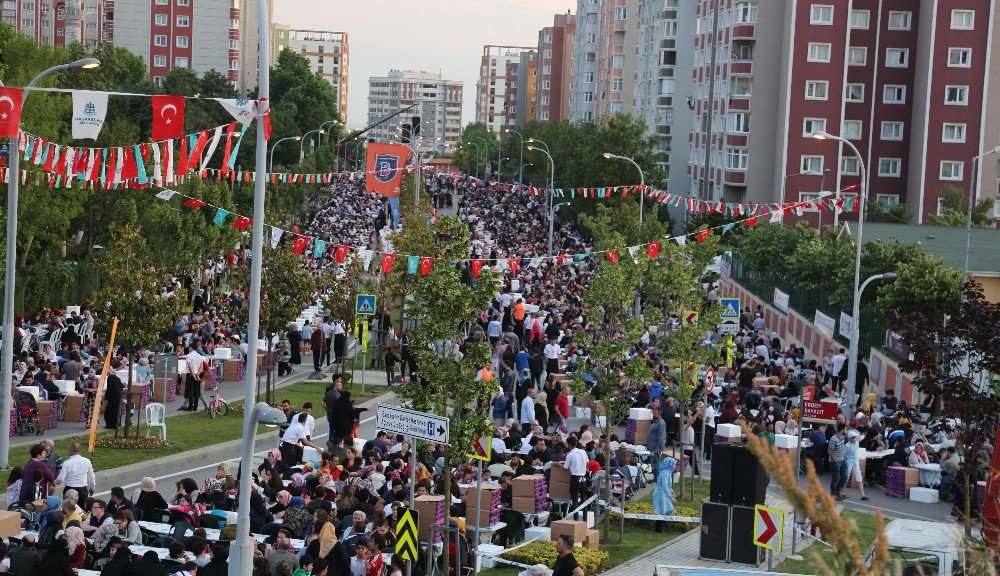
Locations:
column 721, row 485
column 749, row 478
column 714, row 531
column 742, row 550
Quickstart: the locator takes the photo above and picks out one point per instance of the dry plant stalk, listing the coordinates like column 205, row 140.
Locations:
column 819, row 506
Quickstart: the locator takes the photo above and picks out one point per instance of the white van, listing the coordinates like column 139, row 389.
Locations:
column 935, row 547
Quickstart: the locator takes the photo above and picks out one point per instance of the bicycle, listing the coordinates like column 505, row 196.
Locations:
column 217, row 406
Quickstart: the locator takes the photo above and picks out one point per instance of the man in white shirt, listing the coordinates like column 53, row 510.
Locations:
column 327, row 339
column 838, row 363
column 197, row 366
column 77, row 473
column 551, row 353
column 528, row 411
column 294, row 438
column 576, row 464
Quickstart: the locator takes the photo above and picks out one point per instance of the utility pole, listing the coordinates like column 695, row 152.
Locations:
column 709, row 146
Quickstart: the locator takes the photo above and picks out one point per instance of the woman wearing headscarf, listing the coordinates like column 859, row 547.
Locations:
column 343, row 416
column 259, row 514
column 146, row 497
column 918, row 455
column 76, row 546
column 219, row 564
column 56, row 562
column 663, row 494
column 119, row 563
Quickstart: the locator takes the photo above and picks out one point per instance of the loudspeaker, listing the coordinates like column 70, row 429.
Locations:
column 714, row 532
column 721, row 485
column 749, row 478
column 742, row 550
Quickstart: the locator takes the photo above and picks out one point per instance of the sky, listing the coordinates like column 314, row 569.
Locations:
column 444, row 36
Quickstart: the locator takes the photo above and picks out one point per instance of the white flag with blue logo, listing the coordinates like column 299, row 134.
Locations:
column 243, row 111
column 89, row 110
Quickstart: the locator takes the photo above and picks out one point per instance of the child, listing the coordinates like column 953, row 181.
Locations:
column 357, row 418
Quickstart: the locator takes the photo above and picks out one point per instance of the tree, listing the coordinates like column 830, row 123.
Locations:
column 922, row 285
column 887, row 213
column 822, row 264
column 770, row 246
column 955, row 363
column 955, row 209
column 467, row 154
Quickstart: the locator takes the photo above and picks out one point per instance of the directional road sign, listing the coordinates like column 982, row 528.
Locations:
column 422, row 425
column 730, row 316
column 690, row 317
column 768, row 527
column 365, row 304
column 407, row 535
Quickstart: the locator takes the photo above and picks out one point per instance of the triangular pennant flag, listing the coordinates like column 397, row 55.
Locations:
column 703, row 235
column 412, row 263
column 242, row 222
column 560, row 259
column 194, row 203
column 166, row 194
column 387, row 260
column 299, row 246
column 750, row 222
column 425, row 265
column 220, row 217
column 340, row 254
column 513, row 264
column 612, row 256
column 776, row 216
column 653, row 249
column 727, row 227
column 366, row 258
column 632, row 251
column 243, row 111
column 477, row 267
column 681, row 240
column 276, row 234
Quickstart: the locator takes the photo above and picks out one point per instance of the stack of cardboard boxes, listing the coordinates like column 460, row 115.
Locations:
column 530, row 493
column 164, row 390
column 591, row 538
column 637, row 425
column 48, row 413
column 489, row 505
column 233, row 370
column 899, row 480
column 558, row 482
column 431, row 512
column 74, row 408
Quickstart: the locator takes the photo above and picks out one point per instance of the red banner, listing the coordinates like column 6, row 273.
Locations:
column 822, row 412
column 10, row 112
column 385, row 168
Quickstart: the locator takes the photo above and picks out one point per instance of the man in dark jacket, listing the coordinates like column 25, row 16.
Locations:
column 25, row 560
column 148, row 565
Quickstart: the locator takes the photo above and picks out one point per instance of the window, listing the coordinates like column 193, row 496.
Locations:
column 181, row 62
column 951, row 170
column 738, row 123
column 618, row 61
column 617, row 84
column 9, row 5
column 27, row 22
column 588, row 77
column 956, row 95
column 746, row 13
column 546, row 69
column 159, row 40
column 889, row 167
column 159, row 61
column 183, row 2
column 545, row 100
column 183, row 21
column 851, row 129
column 91, row 10
column 588, row 97
column 887, row 199
column 897, row 57
column 547, row 53
column 857, row 56
column 900, row 20
column 996, row 208
column 234, row 64
column 854, row 93
column 808, row 197
column 620, row 13
column 590, row 57
column 953, row 134
column 182, row 41
column 89, row 26
column 894, row 94
column 546, row 85
column 892, row 131
column 812, row 125
column 849, row 166
column 817, row 89
column 812, row 164
column 821, row 14
column 548, row 39
column 27, row 7
column 860, row 19
column 545, row 115
column 737, row 158
column 160, row 20
column 319, row 70
column 963, row 19
column 959, row 57
column 819, row 52
column 162, row 2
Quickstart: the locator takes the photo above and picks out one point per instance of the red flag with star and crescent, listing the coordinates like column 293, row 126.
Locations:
column 168, row 117
column 10, row 111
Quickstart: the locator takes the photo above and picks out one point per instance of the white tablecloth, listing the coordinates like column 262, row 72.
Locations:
column 930, row 474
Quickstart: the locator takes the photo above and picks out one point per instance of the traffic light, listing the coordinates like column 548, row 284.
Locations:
column 406, row 134
column 415, row 122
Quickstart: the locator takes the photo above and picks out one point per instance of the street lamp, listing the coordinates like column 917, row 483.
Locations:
column 536, row 141
column 852, row 368
column 478, row 150
column 552, row 177
column 486, row 155
column 520, row 162
column 302, row 155
column 972, row 200
column 642, row 179
column 270, row 164
column 13, row 160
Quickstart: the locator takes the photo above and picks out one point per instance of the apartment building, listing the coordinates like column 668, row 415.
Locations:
column 329, row 56
column 58, row 23
column 439, row 106
column 555, row 69
column 491, row 89
column 527, row 89
column 584, row 67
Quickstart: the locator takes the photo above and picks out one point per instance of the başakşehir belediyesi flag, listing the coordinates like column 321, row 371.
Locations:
column 385, row 168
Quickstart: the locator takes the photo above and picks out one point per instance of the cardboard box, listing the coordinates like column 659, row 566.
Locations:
column 45, row 408
column 593, row 540
column 526, row 486
column 164, row 390
column 911, row 475
column 525, row 505
column 575, row 528
column 786, row 440
column 230, row 370
column 431, row 512
column 928, row 495
column 641, row 437
column 486, row 496
column 485, row 518
column 10, row 524
column 642, row 426
column 74, row 409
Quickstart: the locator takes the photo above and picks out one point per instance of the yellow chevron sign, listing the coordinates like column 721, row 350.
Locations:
column 407, row 535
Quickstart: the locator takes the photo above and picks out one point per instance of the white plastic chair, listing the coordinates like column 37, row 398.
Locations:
column 156, row 418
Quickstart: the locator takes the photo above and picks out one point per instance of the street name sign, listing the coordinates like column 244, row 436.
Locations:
column 422, row 425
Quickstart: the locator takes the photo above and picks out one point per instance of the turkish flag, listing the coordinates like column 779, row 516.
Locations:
column 299, row 245
column 242, row 223
column 340, row 254
column 425, row 265
column 560, row 259
column 653, row 249
column 387, row 260
column 477, row 267
column 749, row 222
column 10, row 111
column 194, row 203
column 703, row 235
column 514, row 263
column 612, row 256
column 168, row 117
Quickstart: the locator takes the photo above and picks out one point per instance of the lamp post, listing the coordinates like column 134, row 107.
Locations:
column 270, row 164
column 486, row 155
column 642, row 179
column 10, row 273
column 855, row 333
column 476, row 144
column 852, row 368
column 241, row 548
column 536, row 141
column 552, row 177
column 302, row 154
column 972, row 200
column 520, row 162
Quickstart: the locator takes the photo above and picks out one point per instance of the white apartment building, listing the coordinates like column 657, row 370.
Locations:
column 439, row 106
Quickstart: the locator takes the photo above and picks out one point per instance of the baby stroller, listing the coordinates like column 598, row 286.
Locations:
column 27, row 415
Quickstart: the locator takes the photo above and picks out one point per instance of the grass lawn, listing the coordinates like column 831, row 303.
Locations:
column 195, row 430
column 818, row 555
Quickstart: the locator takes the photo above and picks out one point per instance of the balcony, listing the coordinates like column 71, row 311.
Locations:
column 735, row 177
column 744, row 32
column 739, row 103
column 738, row 140
column 741, row 68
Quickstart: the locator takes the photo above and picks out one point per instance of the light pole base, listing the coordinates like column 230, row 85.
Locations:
column 241, row 557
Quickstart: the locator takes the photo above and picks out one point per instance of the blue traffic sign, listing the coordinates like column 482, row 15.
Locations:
column 730, row 308
column 365, row 304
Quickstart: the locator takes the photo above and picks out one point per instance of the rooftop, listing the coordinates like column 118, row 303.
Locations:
column 945, row 242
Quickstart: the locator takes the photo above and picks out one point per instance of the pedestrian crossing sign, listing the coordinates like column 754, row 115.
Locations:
column 365, row 304
column 730, row 308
